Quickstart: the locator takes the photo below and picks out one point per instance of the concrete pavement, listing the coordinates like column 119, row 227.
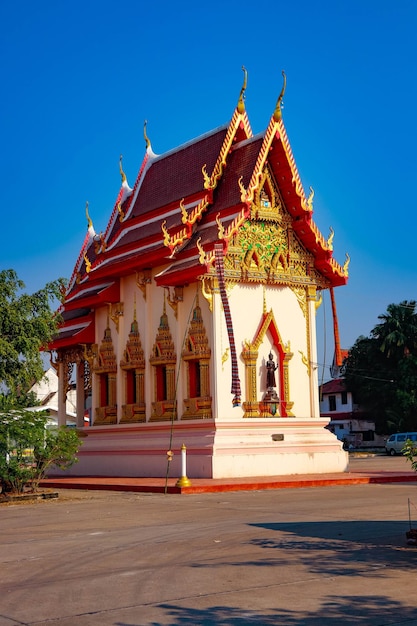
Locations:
column 326, row 556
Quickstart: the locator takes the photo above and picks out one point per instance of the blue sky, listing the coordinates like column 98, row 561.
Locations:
column 80, row 78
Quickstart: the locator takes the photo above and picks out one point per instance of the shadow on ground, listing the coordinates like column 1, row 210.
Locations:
column 334, row 548
column 349, row 611
column 353, row 548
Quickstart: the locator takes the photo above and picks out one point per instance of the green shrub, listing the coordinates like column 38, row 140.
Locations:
column 410, row 453
column 29, row 447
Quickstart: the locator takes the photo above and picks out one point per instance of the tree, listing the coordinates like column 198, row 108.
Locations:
column 397, row 333
column 27, row 324
column 29, row 446
column 381, row 370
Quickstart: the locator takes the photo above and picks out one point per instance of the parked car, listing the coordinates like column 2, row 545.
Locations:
column 396, row 443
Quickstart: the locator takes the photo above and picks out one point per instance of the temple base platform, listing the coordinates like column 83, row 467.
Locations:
column 226, row 449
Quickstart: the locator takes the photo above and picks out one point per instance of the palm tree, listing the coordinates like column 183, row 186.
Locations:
column 397, row 332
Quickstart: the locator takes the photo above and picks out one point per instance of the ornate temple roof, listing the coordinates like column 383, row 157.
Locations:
column 184, row 202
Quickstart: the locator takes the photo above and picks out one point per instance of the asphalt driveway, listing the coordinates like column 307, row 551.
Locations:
column 322, row 556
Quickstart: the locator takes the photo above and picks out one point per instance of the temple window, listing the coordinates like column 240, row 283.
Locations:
column 104, row 389
column 194, row 378
column 196, row 356
column 161, row 383
column 133, row 365
column 163, row 359
column 105, row 368
column 332, row 403
column 132, row 395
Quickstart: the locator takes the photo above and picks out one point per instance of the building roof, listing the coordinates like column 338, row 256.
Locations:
column 181, row 205
column 333, row 386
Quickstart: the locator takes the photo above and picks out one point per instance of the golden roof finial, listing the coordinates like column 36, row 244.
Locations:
column 167, row 238
column 330, row 239
column 87, row 263
column 184, row 218
column 148, row 143
column 241, row 101
column 122, row 174
column 121, row 213
column 310, row 199
column 319, row 299
column 207, row 182
column 89, row 220
column 220, row 227
column 90, row 226
column 278, row 106
column 346, row 265
column 202, row 256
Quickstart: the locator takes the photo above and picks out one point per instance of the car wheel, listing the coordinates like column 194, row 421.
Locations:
column 392, row 452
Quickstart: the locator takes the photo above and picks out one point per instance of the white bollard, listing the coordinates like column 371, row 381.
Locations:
column 183, row 481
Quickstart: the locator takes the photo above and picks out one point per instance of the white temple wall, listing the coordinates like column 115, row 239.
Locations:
column 246, row 304
column 221, row 365
column 246, row 315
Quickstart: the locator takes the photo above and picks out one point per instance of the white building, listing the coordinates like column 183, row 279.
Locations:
column 46, row 393
column 347, row 421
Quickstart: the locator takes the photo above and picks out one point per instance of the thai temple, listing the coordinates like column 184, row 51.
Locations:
column 190, row 323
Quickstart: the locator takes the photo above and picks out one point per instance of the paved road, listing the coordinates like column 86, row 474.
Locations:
column 322, row 556
column 379, row 462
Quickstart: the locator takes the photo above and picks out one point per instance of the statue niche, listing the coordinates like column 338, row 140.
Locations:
column 270, row 399
column 275, row 400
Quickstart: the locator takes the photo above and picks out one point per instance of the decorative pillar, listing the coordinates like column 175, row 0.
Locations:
column 205, row 380
column 170, row 370
column 140, row 385
column 251, row 405
column 62, row 394
column 312, row 351
column 112, row 389
column 80, row 393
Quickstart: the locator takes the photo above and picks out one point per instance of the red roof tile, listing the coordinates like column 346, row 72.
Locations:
column 178, row 174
